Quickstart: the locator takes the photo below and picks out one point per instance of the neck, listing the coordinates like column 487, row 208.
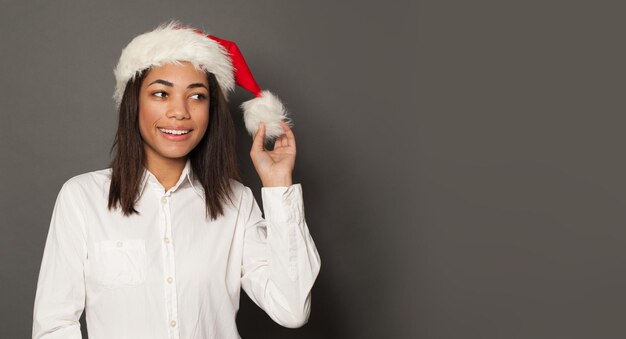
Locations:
column 167, row 171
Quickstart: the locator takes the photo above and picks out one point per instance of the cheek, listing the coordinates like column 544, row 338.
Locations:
column 148, row 117
column 204, row 122
column 201, row 119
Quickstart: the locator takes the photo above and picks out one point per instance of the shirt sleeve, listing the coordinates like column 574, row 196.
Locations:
column 60, row 296
column 280, row 261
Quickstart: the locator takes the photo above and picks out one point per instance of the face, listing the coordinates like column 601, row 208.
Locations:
column 173, row 111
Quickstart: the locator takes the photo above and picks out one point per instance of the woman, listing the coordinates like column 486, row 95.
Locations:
column 160, row 244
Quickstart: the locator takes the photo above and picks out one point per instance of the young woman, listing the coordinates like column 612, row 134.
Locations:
column 160, row 244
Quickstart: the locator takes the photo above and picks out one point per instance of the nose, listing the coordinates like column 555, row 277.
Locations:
column 178, row 109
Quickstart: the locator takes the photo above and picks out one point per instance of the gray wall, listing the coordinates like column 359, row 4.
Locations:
column 462, row 162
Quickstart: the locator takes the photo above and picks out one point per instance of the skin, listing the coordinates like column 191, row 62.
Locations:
column 274, row 167
column 177, row 97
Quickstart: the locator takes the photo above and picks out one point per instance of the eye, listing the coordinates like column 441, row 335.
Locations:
column 160, row 94
column 198, row 96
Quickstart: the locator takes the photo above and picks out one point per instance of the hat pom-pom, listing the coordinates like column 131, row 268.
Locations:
column 268, row 109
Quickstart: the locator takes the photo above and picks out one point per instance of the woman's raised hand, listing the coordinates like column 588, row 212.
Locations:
column 276, row 166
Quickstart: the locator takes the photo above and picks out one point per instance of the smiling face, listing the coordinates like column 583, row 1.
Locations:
column 173, row 111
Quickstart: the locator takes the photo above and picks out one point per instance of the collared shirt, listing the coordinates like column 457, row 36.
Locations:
column 171, row 272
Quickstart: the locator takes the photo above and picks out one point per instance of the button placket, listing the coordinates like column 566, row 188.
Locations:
column 169, row 269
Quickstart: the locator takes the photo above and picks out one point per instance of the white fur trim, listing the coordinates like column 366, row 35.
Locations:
column 268, row 109
column 170, row 45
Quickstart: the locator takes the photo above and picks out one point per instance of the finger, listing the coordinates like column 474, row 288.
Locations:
column 290, row 137
column 278, row 142
column 257, row 143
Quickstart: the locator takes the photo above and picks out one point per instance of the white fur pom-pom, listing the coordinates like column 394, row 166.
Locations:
column 268, row 109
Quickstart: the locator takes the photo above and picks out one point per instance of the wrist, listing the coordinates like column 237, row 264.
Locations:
column 278, row 182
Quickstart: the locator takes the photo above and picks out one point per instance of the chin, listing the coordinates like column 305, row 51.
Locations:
column 168, row 151
column 173, row 153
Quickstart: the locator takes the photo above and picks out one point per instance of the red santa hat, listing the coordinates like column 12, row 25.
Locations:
column 171, row 43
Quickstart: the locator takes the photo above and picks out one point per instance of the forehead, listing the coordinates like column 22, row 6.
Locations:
column 183, row 73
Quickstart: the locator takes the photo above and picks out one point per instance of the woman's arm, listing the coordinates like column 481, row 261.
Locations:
column 60, row 296
column 280, row 261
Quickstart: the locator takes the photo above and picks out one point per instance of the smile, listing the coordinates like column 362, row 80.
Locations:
column 175, row 131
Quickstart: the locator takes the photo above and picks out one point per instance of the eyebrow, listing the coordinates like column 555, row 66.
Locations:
column 163, row 82
column 197, row 84
column 169, row 84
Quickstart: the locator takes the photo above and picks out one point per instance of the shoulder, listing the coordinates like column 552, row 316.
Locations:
column 239, row 189
column 236, row 185
column 90, row 179
column 88, row 183
column 241, row 193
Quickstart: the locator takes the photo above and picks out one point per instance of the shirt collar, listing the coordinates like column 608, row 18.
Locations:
column 187, row 173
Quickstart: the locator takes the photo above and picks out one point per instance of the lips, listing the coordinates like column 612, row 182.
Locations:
column 175, row 131
column 175, row 134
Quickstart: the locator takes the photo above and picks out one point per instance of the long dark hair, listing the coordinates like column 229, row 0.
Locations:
column 213, row 160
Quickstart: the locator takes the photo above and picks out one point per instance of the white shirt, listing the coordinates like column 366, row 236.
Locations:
column 171, row 272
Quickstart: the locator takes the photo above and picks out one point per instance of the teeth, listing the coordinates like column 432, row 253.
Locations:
column 174, row 131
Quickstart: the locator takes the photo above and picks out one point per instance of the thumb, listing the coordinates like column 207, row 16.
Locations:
column 257, row 143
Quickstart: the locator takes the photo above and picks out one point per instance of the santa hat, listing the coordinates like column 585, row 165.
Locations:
column 171, row 43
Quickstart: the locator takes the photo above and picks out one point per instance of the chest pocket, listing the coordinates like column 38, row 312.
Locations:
column 120, row 262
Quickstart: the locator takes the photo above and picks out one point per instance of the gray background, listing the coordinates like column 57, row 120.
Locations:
column 462, row 161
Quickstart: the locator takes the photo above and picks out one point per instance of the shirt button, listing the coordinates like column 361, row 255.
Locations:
column 119, row 244
column 167, row 240
column 173, row 323
column 164, row 200
column 169, row 280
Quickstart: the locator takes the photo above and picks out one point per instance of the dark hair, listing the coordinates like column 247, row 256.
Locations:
column 213, row 160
